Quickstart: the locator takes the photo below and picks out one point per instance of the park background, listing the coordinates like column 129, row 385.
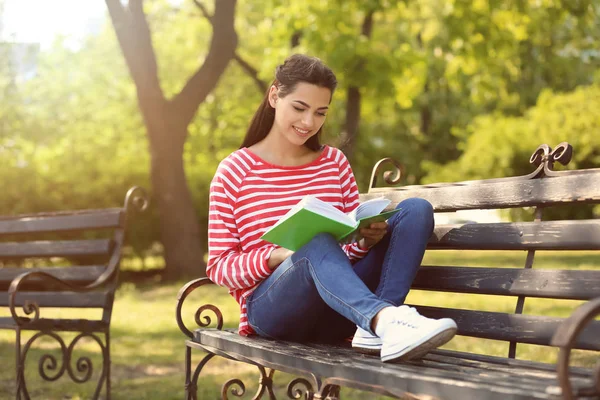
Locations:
column 452, row 89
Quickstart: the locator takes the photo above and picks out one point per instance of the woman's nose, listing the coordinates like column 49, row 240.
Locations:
column 308, row 120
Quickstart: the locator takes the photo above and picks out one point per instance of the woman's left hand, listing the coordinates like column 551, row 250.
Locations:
column 372, row 235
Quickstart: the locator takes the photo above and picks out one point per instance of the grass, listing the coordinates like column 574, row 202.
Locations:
column 148, row 349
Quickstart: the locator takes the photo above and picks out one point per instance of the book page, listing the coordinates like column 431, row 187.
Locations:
column 370, row 208
column 327, row 210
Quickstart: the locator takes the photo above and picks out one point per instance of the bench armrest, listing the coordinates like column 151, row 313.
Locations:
column 31, row 307
column 565, row 337
column 184, row 292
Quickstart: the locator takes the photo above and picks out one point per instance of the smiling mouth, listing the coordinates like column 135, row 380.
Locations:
column 303, row 132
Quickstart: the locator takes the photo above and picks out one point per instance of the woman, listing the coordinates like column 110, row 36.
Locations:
column 325, row 291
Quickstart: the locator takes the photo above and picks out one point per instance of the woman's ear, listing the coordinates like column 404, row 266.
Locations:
column 273, row 96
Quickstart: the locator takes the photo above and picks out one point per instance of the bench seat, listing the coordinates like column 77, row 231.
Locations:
column 441, row 374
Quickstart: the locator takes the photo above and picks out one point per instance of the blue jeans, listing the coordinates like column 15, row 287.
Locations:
column 317, row 294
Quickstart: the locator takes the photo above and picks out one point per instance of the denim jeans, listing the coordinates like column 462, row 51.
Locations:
column 317, row 294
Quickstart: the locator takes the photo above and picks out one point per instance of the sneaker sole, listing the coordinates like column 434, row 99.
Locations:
column 367, row 349
column 419, row 349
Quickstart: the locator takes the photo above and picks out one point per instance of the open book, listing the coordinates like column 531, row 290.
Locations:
column 312, row 216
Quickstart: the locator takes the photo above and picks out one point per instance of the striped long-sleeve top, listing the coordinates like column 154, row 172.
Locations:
column 248, row 195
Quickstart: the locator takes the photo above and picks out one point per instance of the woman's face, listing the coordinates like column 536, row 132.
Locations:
column 300, row 114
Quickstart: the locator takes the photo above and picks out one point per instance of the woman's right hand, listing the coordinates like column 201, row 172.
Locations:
column 278, row 256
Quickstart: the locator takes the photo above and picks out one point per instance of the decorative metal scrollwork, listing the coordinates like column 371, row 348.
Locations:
column 48, row 366
column 544, row 158
column 207, row 321
column 136, row 199
column 184, row 292
column 31, row 307
column 328, row 392
column 234, row 386
column 236, row 391
column 265, row 383
column 325, row 389
column 306, row 390
column 392, row 177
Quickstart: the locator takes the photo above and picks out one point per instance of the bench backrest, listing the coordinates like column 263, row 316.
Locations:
column 541, row 189
column 80, row 248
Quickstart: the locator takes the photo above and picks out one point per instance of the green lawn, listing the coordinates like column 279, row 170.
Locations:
column 148, row 352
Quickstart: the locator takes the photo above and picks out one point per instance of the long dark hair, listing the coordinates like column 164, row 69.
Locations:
column 296, row 68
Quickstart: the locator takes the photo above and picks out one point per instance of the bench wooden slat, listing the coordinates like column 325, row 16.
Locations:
column 58, row 248
column 555, row 284
column 577, row 188
column 443, row 378
column 530, row 329
column 545, row 235
column 77, row 275
column 62, row 222
column 63, row 325
column 60, row 299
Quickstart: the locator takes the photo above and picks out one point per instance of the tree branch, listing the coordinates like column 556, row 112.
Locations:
column 134, row 38
column 367, row 26
column 203, row 10
column 252, row 72
column 249, row 69
column 204, row 80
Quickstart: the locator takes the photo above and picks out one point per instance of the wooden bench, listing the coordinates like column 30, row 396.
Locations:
column 62, row 259
column 445, row 374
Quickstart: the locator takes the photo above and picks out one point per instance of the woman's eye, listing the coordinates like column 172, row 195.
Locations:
column 321, row 114
column 298, row 109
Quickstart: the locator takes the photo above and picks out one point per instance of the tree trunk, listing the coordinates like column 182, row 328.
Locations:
column 167, row 124
column 183, row 241
column 352, row 122
column 351, row 125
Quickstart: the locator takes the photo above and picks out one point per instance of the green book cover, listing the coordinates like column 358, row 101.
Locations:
column 312, row 216
column 354, row 235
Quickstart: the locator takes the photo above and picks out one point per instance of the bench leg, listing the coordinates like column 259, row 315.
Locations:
column 265, row 383
column 19, row 378
column 191, row 381
column 107, row 365
column 188, row 372
column 328, row 392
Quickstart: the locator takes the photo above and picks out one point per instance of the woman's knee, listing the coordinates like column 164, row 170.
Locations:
column 322, row 246
column 417, row 212
column 417, row 206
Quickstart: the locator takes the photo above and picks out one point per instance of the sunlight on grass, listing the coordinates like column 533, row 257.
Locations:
column 148, row 348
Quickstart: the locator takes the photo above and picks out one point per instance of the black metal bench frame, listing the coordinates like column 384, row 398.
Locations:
column 28, row 290
column 444, row 374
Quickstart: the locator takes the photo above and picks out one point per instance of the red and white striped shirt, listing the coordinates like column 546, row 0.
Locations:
column 248, row 195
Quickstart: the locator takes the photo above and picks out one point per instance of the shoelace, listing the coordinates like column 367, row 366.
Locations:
column 412, row 318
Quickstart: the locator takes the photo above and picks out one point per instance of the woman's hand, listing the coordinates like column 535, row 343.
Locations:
column 278, row 256
column 372, row 235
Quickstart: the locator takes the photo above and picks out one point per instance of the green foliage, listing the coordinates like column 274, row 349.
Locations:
column 495, row 145
column 432, row 74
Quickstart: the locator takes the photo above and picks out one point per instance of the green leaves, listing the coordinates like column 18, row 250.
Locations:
column 437, row 79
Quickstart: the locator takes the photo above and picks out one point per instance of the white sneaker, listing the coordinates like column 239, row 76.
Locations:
column 365, row 342
column 410, row 335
